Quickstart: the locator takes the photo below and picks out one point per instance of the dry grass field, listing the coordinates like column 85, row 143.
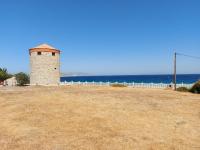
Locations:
column 98, row 118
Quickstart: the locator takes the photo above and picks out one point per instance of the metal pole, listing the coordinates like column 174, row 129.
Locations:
column 175, row 71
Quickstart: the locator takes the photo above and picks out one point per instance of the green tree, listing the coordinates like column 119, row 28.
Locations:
column 196, row 88
column 22, row 79
column 4, row 74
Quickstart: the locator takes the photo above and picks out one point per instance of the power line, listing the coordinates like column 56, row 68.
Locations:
column 181, row 54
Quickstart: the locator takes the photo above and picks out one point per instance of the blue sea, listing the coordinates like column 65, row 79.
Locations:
column 186, row 78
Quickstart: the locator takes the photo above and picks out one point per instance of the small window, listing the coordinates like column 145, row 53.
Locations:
column 53, row 54
column 39, row 53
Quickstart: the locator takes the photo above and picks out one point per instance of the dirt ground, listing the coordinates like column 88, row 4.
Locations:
column 98, row 118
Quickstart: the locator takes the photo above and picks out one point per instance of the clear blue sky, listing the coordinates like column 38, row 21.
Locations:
column 102, row 36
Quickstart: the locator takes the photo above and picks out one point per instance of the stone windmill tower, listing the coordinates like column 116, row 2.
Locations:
column 45, row 65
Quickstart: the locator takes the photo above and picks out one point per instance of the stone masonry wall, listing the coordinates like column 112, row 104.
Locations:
column 45, row 68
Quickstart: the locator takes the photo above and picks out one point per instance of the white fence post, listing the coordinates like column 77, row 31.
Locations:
column 133, row 84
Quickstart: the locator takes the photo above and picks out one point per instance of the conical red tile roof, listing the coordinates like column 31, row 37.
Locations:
column 44, row 48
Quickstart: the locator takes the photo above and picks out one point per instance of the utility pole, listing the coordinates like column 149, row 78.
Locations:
column 175, row 71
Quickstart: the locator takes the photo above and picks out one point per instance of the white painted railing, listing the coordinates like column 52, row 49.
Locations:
column 137, row 85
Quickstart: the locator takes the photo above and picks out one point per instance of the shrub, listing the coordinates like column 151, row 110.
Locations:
column 22, row 79
column 196, row 88
column 4, row 74
column 118, row 85
column 182, row 89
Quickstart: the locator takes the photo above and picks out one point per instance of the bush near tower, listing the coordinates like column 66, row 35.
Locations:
column 22, row 79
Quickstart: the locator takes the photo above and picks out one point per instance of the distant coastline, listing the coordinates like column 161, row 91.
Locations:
column 74, row 74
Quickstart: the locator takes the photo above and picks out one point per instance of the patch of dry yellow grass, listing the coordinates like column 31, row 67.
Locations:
column 100, row 118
